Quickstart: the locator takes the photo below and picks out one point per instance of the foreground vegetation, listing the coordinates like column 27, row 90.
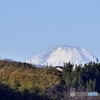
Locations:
column 21, row 76
column 22, row 81
column 87, row 76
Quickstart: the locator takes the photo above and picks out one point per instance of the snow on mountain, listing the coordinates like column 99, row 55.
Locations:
column 61, row 54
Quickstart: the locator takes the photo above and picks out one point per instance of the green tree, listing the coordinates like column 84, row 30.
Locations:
column 74, row 81
column 94, row 84
column 90, row 84
column 87, row 85
column 67, row 73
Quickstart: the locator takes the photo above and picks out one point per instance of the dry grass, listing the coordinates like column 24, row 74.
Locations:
column 28, row 77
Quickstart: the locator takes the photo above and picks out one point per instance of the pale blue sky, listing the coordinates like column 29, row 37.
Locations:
column 29, row 27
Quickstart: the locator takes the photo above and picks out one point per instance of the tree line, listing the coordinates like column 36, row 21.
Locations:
column 87, row 76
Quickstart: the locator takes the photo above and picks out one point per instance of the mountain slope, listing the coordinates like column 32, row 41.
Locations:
column 59, row 55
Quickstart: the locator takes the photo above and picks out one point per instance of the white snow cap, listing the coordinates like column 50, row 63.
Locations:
column 61, row 54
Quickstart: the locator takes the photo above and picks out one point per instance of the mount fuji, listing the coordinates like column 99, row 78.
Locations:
column 61, row 54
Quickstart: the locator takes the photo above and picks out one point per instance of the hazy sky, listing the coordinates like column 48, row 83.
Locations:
column 29, row 27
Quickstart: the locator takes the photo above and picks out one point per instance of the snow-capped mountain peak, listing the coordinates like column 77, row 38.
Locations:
column 61, row 54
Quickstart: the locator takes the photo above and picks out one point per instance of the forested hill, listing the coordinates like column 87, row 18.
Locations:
column 22, row 81
column 24, row 77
